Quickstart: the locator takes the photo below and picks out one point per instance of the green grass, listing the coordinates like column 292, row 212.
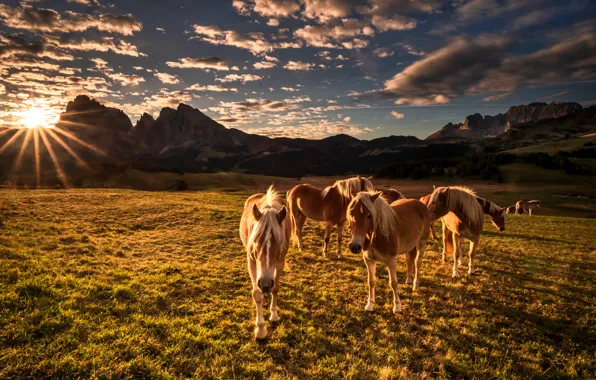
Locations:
column 129, row 284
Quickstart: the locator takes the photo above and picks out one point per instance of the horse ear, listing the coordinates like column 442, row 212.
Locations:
column 358, row 176
column 256, row 212
column 281, row 215
column 434, row 187
column 375, row 196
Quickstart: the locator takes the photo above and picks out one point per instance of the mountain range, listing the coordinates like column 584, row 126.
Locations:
column 186, row 140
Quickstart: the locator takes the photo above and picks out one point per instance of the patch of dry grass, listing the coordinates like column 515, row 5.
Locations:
column 129, row 284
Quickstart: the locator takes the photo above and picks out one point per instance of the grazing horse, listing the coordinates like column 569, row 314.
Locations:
column 526, row 206
column 265, row 232
column 391, row 195
column 510, row 209
column 462, row 217
column 496, row 213
column 383, row 231
column 328, row 205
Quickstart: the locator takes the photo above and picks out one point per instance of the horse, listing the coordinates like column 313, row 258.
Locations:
column 425, row 200
column 327, row 205
column 526, row 206
column 462, row 217
column 391, row 195
column 382, row 231
column 510, row 209
column 265, row 233
column 496, row 213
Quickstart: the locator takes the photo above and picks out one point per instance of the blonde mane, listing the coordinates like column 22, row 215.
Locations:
column 350, row 186
column 464, row 198
column 384, row 217
column 268, row 228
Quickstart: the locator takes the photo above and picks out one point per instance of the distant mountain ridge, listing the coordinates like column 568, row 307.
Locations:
column 186, row 140
column 477, row 126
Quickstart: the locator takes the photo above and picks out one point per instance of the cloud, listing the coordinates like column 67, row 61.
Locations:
column 264, row 65
column 397, row 115
column 394, row 7
column 162, row 30
column 276, row 8
column 167, row 78
column 383, row 52
column 318, row 130
column 557, row 95
column 501, row 96
column 256, row 43
column 241, row 7
column 326, row 10
column 126, row 79
column 210, row 87
column 273, row 22
column 448, row 72
column 289, row 89
column 482, row 65
column 410, row 49
column 328, row 36
column 214, row 63
column 299, row 66
column 396, row 22
column 48, row 20
column 239, row 77
column 103, row 44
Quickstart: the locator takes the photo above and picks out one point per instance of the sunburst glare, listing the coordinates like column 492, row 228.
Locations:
column 38, row 117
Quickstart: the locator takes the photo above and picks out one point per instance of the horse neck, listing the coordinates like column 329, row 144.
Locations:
column 334, row 198
column 488, row 207
column 458, row 210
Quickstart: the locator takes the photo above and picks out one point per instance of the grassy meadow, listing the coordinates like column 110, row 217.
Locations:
column 131, row 284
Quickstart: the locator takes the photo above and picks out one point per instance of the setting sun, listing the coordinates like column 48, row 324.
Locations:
column 38, row 117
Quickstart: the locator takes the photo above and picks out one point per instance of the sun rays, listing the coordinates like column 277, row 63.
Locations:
column 23, row 145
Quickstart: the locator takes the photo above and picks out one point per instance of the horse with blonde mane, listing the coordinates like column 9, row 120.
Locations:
column 327, row 205
column 265, row 232
column 391, row 195
column 382, row 231
column 462, row 217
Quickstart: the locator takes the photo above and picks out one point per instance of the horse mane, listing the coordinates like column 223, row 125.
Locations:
column 347, row 187
column 492, row 206
column 384, row 217
column 465, row 198
column 268, row 227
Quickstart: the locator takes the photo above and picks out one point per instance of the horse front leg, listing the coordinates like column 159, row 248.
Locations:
column 473, row 247
column 371, row 265
column 391, row 268
column 447, row 240
column 257, row 296
column 276, row 279
column 340, row 230
column 328, row 227
column 456, row 254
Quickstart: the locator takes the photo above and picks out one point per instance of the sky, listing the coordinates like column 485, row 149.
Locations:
column 298, row 68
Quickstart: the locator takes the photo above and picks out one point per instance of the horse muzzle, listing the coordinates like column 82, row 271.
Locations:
column 265, row 284
column 502, row 229
column 355, row 248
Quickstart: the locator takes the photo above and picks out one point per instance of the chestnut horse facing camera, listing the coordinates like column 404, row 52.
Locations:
column 327, row 205
column 265, row 231
column 382, row 232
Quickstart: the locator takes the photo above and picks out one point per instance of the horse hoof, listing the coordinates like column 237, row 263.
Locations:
column 454, row 275
column 260, row 333
column 415, row 288
column 274, row 316
column 369, row 308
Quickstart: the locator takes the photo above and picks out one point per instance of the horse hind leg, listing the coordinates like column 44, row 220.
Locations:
column 447, row 242
column 299, row 219
column 418, row 263
column 410, row 259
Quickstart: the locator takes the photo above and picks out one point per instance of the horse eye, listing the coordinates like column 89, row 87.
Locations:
column 369, row 216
